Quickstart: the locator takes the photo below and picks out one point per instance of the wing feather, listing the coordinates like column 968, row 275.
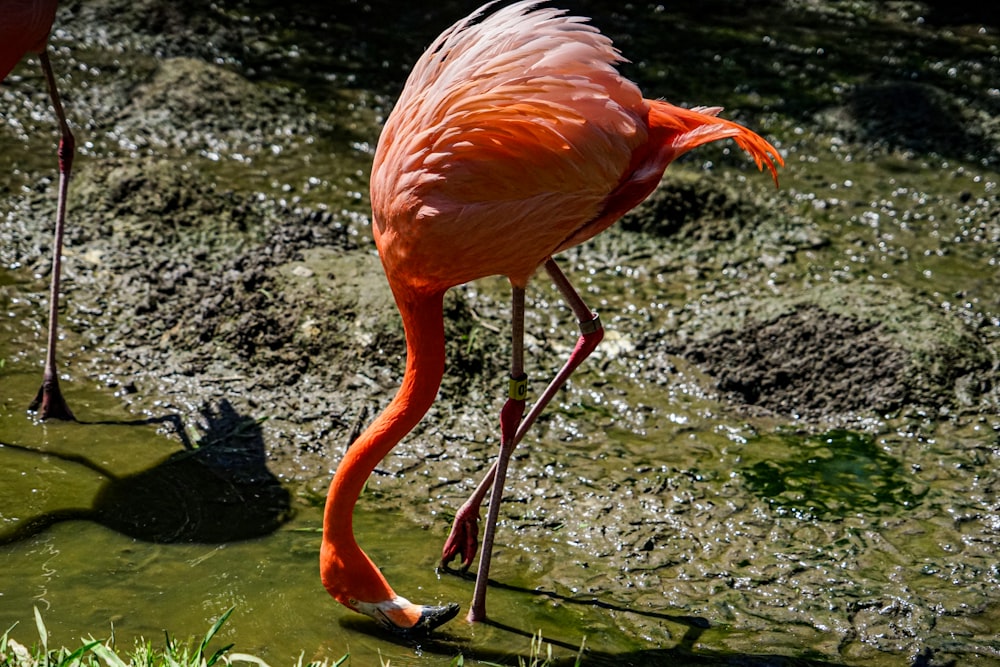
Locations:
column 524, row 88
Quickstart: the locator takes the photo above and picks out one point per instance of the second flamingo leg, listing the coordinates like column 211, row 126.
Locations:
column 462, row 541
column 49, row 402
column 510, row 418
column 591, row 333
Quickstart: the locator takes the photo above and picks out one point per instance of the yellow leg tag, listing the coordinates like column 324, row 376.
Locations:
column 518, row 388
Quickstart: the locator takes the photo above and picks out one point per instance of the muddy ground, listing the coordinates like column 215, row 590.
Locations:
column 218, row 245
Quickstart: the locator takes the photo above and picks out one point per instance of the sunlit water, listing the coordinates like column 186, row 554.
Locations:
column 743, row 533
column 86, row 578
column 748, row 539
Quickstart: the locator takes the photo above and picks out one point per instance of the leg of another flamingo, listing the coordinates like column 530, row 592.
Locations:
column 591, row 333
column 49, row 402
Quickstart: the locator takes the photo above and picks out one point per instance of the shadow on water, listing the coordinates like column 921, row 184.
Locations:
column 685, row 652
column 960, row 12
column 776, row 56
column 218, row 491
column 682, row 654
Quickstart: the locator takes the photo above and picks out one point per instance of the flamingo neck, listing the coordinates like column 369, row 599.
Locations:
column 347, row 572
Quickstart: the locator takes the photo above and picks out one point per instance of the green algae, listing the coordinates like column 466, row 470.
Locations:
column 219, row 251
column 832, row 474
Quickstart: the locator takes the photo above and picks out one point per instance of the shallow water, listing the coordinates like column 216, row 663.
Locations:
column 647, row 513
column 736, row 533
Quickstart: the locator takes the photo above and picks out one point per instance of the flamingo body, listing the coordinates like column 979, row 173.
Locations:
column 486, row 103
column 514, row 138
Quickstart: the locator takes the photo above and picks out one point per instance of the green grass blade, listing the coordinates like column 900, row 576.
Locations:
column 211, row 633
column 43, row 634
column 5, row 638
column 109, row 657
column 218, row 654
column 77, row 654
column 579, row 654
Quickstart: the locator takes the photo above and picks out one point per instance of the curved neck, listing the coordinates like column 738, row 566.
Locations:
column 347, row 572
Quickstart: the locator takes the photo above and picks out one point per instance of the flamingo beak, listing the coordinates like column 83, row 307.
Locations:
column 402, row 617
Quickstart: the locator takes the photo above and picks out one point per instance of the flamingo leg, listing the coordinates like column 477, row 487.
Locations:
column 49, row 402
column 510, row 418
column 591, row 333
column 462, row 541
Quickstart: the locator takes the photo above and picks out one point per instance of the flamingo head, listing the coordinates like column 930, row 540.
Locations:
column 403, row 617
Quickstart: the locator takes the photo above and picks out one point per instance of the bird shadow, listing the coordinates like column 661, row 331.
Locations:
column 217, row 490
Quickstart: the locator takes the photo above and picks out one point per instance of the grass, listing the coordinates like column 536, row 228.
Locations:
column 539, row 654
column 98, row 653
column 535, row 658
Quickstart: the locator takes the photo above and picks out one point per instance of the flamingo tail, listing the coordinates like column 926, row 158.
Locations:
column 683, row 129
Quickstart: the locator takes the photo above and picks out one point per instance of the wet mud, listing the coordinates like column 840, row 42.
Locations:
column 840, row 333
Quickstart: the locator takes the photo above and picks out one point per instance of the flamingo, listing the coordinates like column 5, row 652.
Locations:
column 514, row 138
column 24, row 28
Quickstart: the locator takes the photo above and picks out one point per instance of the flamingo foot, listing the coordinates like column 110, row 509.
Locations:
column 403, row 618
column 463, row 540
column 49, row 402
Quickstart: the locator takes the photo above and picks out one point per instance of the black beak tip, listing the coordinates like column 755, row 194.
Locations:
column 431, row 618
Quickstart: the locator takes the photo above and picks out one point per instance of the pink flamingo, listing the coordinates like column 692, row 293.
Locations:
column 24, row 28
column 514, row 139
